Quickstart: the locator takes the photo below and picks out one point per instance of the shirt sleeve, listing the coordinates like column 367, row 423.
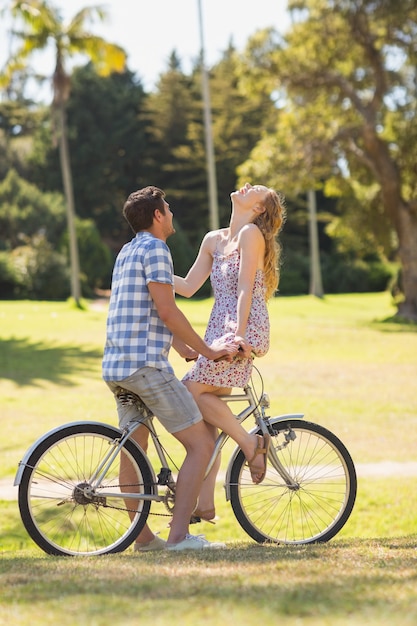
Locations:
column 158, row 264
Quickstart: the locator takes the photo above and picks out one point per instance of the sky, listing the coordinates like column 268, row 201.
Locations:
column 149, row 30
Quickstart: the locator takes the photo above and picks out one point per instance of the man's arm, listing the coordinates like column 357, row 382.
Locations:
column 163, row 296
column 183, row 350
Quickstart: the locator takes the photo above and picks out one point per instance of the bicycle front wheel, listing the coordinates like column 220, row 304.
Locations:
column 62, row 510
column 310, row 508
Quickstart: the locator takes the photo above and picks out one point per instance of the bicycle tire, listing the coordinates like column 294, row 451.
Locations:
column 314, row 511
column 53, row 507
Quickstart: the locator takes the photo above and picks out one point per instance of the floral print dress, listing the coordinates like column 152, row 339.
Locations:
column 223, row 323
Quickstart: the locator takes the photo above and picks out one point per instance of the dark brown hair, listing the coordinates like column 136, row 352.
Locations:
column 139, row 208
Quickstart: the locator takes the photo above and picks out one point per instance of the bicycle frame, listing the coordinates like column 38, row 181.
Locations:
column 72, row 480
column 262, row 424
column 256, row 407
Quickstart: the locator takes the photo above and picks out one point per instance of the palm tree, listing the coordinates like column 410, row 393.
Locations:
column 45, row 27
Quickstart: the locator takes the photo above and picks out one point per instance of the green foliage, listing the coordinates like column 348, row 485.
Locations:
column 238, row 116
column 25, row 211
column 282, row 114
column 96, row 258
column 43, row 272
column 342, row 276
column 31, row 227
column 33, row 232
column 11, row 280
column 295, row 273
column 177, row 151
column 347, row 112
column 181, row 251
column 18, row 120
column 108, row 147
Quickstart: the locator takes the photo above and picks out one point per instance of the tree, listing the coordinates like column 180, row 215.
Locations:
column 26, row 212
column 108, row 140
column 238, row 115
column 346, row 72
column 175, row 116
column 30, row 218
column 45, row 27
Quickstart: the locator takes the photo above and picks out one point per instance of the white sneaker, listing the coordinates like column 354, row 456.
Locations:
column 156, row 544
column 195, row 542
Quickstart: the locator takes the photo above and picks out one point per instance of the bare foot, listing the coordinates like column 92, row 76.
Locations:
column 207, row 515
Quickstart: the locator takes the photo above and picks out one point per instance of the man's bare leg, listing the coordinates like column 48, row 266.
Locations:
column 199, row 444
column 128, row 477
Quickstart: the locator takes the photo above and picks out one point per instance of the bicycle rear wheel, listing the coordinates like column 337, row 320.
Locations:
column 61, row 511
column 316, row 507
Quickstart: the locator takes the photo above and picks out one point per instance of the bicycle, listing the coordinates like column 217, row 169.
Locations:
column 73, row 499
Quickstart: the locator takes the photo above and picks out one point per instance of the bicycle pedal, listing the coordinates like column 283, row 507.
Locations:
column 197, row 520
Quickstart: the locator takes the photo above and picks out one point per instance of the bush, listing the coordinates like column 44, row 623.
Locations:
column 10, row 278
column 40, row 272
column 96, row 259
column 295, row 274
column 358, row 276
column 339, row 274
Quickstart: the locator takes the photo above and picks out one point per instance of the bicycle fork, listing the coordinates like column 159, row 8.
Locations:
column 264, row 425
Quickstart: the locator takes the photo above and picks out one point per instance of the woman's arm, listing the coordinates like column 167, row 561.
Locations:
column 251, row 247
column 175, row 320
column 200, row 269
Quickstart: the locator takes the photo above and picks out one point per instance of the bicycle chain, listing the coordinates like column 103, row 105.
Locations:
column 118, row 508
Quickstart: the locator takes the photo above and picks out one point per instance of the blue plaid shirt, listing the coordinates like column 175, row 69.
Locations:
column 136, row 336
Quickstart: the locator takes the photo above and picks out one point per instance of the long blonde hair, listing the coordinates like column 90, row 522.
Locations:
column 270, row 223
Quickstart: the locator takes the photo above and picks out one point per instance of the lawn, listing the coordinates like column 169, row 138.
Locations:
column 341, row 361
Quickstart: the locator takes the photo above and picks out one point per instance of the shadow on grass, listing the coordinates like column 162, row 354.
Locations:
column 352, row 577
column 26, row 362
column 395, row 324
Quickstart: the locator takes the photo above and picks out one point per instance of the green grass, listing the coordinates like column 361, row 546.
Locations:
column 341, row 361
column 362, row 582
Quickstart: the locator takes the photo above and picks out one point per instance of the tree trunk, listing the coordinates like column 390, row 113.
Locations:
column 69, row 200
column 403, row 217
column 407, row 251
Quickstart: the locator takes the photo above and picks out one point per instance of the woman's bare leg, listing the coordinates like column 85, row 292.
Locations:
column 216, row 412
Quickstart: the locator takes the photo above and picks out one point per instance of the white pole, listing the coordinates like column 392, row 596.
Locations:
column 316, row 286
column 211, row 166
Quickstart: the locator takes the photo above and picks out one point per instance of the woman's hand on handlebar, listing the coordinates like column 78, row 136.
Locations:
column 224, row 349
column 244, row 348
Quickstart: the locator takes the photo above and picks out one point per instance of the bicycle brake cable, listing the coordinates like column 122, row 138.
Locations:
column 257, row 396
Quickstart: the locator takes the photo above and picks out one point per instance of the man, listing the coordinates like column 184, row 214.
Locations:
column 143, row 322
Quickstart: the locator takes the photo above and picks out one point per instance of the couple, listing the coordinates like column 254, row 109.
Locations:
column 144, row 322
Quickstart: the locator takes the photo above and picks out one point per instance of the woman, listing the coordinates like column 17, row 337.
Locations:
column 242, row 262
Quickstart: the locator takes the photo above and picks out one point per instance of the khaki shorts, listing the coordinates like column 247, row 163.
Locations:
column 166, row 397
